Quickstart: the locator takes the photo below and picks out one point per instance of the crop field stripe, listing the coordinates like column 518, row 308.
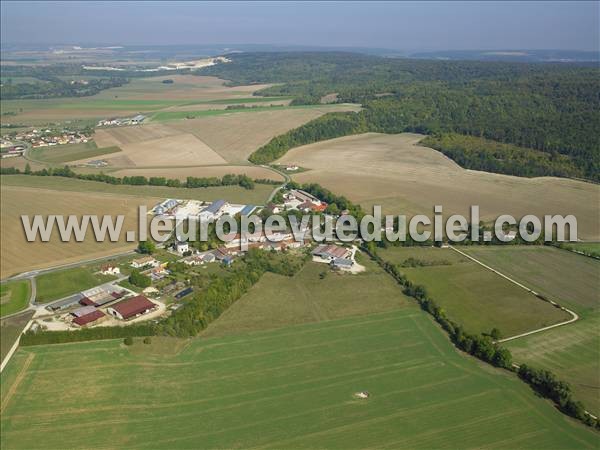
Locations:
column 280, row 368
column 13, row 389
column 303, row 396
column 309, row 328
column 285, row 393
column 294, row 416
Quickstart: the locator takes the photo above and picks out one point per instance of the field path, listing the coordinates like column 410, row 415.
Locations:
column 17, row 382
column 574, row 316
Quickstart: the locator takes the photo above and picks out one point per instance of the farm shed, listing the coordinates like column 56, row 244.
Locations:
column 83, row 311
column 342, row 263
column 331, row 252
column 65, row 303
column 131, row 307
column 89, row 318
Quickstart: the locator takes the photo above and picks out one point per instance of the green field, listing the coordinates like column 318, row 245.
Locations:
column 572, row 351
column 55, row 285
column 568, row 278
column 473, row 296
column 278, row 301
column 14, row 296
column 589, row 248
column 69, row 152
column 176, row 115
column 234, row 194
column 288, row 388
column 10, row 329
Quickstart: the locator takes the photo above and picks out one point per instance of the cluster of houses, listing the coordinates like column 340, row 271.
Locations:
column 297, row 199
column 195, row 209
column 119, row 122
column 49, row 138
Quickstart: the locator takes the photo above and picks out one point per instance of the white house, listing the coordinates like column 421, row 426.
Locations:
column 145, row 261
column 110, row 270
column 182, row 247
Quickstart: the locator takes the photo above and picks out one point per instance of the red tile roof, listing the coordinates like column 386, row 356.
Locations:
column 87, row 302
column 91, row 317
column 133, row 306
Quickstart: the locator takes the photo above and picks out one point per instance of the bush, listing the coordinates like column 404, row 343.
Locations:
column 147, row 340
column 128, row 340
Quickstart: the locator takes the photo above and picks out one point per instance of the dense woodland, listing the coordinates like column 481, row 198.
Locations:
column 552, row 109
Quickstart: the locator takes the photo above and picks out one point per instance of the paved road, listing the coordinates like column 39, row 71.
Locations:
column 278, row 188
column 34, row 273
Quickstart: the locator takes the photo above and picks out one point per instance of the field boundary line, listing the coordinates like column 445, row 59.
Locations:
column 14, row 347
column 13, row 389
column 574, row 316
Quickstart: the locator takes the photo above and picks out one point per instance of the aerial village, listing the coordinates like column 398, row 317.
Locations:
column 167, row 272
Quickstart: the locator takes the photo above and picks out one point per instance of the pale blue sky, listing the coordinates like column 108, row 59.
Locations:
column 396, row 25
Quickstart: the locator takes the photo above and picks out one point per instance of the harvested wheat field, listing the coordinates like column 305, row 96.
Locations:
column 236, row 136
column 182, row 173
column 405, row 178
column 171, row 150
column 18, row 255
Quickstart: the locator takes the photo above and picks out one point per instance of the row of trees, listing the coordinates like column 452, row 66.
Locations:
column 191, row 182
column 86, row 334
column 483, row 346
column 49, row 86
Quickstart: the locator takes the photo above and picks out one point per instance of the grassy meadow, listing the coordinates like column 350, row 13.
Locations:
column 567, row 278
column 287, row 388
column 314, row 294
column 55, row 285
column 572, row 351
column 14, row 296
column 473, row 296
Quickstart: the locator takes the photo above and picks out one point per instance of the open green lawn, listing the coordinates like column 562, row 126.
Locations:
column 69, row 152
column 473, row 296
column 233, row 194
column 568, row 278
column 286, row 388
column 572, row 351
column 278, row 301
column 55, row 285
column 14, row 296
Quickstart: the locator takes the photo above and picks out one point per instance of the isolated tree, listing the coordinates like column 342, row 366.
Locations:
column 27, row 169
column 495, row 334
column 128, row 340
column 146, row 247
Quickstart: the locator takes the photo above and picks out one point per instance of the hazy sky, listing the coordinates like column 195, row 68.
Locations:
column 396, row 25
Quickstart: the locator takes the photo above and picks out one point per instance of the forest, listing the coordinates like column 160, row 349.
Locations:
column 550, row 109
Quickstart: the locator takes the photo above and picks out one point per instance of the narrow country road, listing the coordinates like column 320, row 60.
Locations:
column 574, row 316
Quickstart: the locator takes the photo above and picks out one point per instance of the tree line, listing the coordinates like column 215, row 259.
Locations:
column 191, row 182
column 483, row 346
column 550, row 109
